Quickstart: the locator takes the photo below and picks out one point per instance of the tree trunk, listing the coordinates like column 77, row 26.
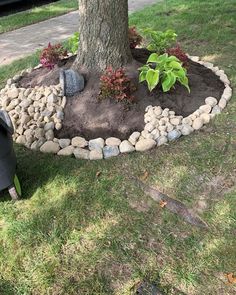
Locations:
column 103, row 28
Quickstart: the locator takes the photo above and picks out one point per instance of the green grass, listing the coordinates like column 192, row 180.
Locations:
column 75, row 233
column 36, row 14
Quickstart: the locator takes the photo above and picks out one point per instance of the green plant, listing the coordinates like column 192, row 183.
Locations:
column 164, row 68
column 115, row 84
column 134, row 38
column 160, row 41
column 73, row 43
column 179, row 53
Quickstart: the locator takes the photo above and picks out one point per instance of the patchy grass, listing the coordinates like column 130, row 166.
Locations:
column 36, row 14
column 75, row 233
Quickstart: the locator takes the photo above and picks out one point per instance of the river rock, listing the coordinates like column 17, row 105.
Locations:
column 96, row 154
column 134, row 137
column 110, row 151
column 222, row 103
column 80, row 153
column 186, row 129
column 173, row 135
column 162, row 140
column 212, row 101
column 145, row 145
column 78, row 141
column 197, row 123
column 126, row 147
column 113, row 141
column 67, row 151
column 205, row 118
column 13, row 93
column 96, row 144
column 206, row 108
column 64, row 142
column 50, row 147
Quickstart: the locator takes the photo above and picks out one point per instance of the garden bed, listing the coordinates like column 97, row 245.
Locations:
column 90, row 117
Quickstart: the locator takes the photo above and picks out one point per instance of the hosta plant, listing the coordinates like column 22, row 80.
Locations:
column 115, row 84
column 164, row 69
column 73, row 43
column 179, row 53
column 51, row 55
column 134, row 38
column 160, row 41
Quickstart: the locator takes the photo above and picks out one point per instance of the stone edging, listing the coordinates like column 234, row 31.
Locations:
column 36, row 112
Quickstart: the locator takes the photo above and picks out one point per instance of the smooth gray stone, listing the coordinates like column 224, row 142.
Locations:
column 71, row 82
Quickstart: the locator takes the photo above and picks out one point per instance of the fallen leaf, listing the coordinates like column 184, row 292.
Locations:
column 231, row 278
column 144, row 176
column 162, row 204
column 98, row 173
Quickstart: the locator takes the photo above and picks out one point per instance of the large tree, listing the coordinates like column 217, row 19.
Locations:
column 103, row 27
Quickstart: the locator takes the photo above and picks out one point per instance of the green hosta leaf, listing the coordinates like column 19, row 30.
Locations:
column 175, row 65
column 184, row 82
column 168, row 81
column 142, row 76
column 152, row 78
column 17, row 185
column 153, row 58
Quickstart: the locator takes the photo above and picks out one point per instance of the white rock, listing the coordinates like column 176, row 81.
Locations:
column 80, row 153
column 148, row 108
column 49, row 135
column 64, row 142
column 149, row 127
column 212, row 101
column 175, row 121
column 52, row 98
column 224, row 79
column 162, row 140
column 216, row 110
column 206, row 108
column 24, row 119
column 96, row 144
column 186, row 129
column 205, row 118
column 197, row 123
column 21, row 139
column 79, row 142
column 155, row 134
column 49, row 126
column 50, row 147
column 13, row 93
column 67, row 151
column 195, row 58
column 222, row 103
column 96, row 154
column 145, row 145
column 134, row 137
column 126, row 147
column 110, row 151
column 113, row 141
column 227, row 94
column 158, row 111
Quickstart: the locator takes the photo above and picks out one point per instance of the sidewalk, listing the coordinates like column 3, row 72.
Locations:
column 26, row 40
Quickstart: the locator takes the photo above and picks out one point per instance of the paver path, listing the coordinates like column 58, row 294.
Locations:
column 26, row 40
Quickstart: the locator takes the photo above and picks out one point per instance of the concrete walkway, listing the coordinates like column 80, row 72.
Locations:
column 26, row 40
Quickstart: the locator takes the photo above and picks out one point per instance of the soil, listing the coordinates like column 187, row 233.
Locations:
column 90, row 117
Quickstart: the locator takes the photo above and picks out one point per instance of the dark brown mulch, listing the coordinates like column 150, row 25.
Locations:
column 90, row 117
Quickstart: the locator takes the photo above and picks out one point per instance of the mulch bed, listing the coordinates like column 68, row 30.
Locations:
column 90, row 117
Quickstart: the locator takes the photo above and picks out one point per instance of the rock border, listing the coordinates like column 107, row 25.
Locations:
column 36, row 112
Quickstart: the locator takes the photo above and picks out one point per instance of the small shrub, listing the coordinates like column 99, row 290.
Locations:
column 51, row 55
column 179, row 53
column 73, row 43
column 134, row 38
column 164, row 68
column 160, row 41
column 115, row 84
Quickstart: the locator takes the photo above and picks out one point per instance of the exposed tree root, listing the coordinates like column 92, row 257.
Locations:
column 173, row 205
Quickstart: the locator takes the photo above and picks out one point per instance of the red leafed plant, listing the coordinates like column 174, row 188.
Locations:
column 115, row 84
column 51, row 55
column 179, row 53
column 134, row 38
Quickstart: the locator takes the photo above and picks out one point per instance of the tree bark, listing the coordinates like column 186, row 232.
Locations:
column 103, row 28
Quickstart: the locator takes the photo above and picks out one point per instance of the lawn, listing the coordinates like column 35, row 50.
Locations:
column 85, row 227
column 36, row 14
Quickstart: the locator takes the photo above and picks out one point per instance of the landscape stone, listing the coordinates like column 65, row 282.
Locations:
column 110, row 151
column 113, row 141
column 197, row 123
column 64, row 142
column 126, row 147
column 145, row 145
column 96, row 144
column 78, row 141
column 212, row 101
column 96, row 154
column 173, row 135
column 67, row 151
column 50, row 147
column 80, row 153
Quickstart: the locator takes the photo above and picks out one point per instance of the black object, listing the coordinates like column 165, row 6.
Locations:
column 7, row 156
